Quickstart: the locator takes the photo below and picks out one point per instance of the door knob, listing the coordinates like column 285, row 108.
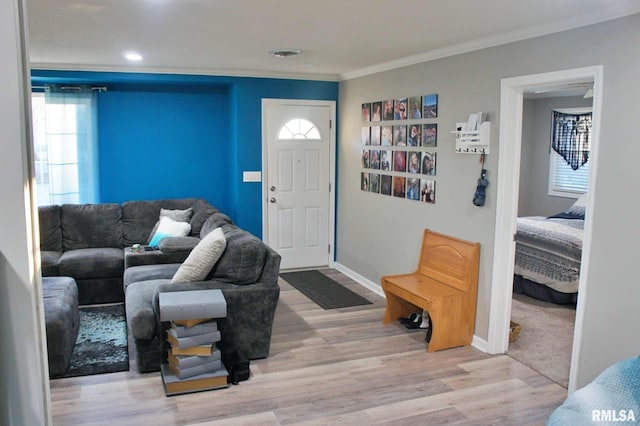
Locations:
column 272, row 200
column 273, row 188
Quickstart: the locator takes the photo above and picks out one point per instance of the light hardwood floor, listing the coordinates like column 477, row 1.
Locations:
column 328, row 367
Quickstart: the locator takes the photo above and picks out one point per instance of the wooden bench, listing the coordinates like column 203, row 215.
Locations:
column 445, row 284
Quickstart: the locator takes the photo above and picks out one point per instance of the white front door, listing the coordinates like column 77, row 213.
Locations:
column 298, row 137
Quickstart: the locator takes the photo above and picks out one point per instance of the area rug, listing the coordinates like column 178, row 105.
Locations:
column 101, row 346
column 323, row 290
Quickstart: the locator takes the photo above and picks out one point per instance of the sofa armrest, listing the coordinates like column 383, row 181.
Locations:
column 251, row 308
column 178, row 244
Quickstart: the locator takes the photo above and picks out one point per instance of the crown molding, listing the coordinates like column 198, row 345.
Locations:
column 486, row 42
column 185, row 71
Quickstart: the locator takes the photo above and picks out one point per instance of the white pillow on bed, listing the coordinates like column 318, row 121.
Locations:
column 581, row 202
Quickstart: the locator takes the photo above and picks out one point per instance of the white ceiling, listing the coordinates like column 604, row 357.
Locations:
column 340, row 39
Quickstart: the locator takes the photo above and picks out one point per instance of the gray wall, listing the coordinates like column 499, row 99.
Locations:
column 534, row 198
column 380, row 235
column 23, row 384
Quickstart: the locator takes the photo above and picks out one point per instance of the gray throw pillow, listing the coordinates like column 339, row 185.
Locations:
column 202, row 258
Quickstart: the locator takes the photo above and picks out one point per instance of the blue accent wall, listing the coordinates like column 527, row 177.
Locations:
column 167, row 135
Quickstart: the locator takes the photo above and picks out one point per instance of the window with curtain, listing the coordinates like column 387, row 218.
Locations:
column 569, row 156
column 66, row 145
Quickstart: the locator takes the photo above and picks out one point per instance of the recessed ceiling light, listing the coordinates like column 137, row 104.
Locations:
column 133, row 56
column 285, row 53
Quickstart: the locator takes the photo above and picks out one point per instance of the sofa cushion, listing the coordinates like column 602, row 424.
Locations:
column 243, row 259
column 202, row 258
column 148, row 273
column 92, row 263
column 91, row 225
column 139, row 217
column 141, row 318
column 49, row 262
column 214, row 221
column 50, row 229
column 169, row 228
column 202, row 210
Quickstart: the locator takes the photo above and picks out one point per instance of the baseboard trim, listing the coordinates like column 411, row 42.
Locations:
column 366, row 283
column 480, row 344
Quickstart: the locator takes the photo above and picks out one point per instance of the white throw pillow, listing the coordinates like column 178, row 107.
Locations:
column 169, row 228
column 202, row 258
column 177, row 215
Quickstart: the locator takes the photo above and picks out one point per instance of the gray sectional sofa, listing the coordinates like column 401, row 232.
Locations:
column 92, row 244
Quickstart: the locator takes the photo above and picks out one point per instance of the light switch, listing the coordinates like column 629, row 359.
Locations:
column 252, row 176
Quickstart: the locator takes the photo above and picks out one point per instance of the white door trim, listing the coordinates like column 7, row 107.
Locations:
column 507, row 202
column 332, row 166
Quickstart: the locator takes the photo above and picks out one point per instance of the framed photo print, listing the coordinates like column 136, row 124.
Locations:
column 374, row 159
column 430, row 106
column 366, row 112
column 428, row 191
column 376, row 111
column 400, row 109
column 364, row 181
column 365, row 135
column 399, row 161
column 413, row 189
column 387, row 110
column 386, row 135
column 429, row 163
column 375, row 135
column 398, row 186
column 400, row 135
column 413, row 161
column 385, row 185
column 385, row 160
column 415, row 107
column 365, row 158
column 415, row 135
column 430, row 134
column 374, row 182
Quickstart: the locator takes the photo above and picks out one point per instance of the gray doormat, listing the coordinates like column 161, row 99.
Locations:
column 323, row 290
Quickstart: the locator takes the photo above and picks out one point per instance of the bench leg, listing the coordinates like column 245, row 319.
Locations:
column 446, row 331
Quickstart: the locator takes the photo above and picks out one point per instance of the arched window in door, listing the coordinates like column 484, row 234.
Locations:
column 299, row 128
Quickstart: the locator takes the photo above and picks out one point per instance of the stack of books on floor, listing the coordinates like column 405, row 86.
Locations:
column 193, row 360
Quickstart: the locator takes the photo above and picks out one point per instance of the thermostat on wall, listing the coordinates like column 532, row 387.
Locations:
column 251, row 176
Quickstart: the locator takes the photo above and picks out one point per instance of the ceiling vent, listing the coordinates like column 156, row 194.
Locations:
column 285, row 53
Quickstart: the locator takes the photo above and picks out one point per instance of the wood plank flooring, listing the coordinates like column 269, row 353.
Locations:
column 339, row 366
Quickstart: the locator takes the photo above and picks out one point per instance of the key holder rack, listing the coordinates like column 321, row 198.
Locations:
column 473, row 141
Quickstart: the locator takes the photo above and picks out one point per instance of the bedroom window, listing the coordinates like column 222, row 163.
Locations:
column 569, row 154
column 65, row 146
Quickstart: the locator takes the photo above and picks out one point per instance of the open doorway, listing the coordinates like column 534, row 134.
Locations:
column 511, row 113
column 550, row 226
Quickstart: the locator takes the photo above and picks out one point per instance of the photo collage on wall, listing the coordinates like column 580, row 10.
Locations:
column 398, row 140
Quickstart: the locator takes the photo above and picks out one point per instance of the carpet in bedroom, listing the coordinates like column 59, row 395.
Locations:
column 546, row 339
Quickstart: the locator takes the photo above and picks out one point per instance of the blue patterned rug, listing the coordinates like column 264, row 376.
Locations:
column 101, row 346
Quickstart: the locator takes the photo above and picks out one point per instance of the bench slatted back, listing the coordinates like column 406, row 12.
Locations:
column 450, row 260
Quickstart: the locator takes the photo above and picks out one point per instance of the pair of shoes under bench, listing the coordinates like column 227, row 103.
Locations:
column 416, row 320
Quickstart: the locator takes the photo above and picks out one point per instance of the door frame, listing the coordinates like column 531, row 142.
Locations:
column 332, row 166
column 511, row 99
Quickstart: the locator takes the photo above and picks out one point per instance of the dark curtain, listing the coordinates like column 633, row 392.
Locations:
column 572, row 137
